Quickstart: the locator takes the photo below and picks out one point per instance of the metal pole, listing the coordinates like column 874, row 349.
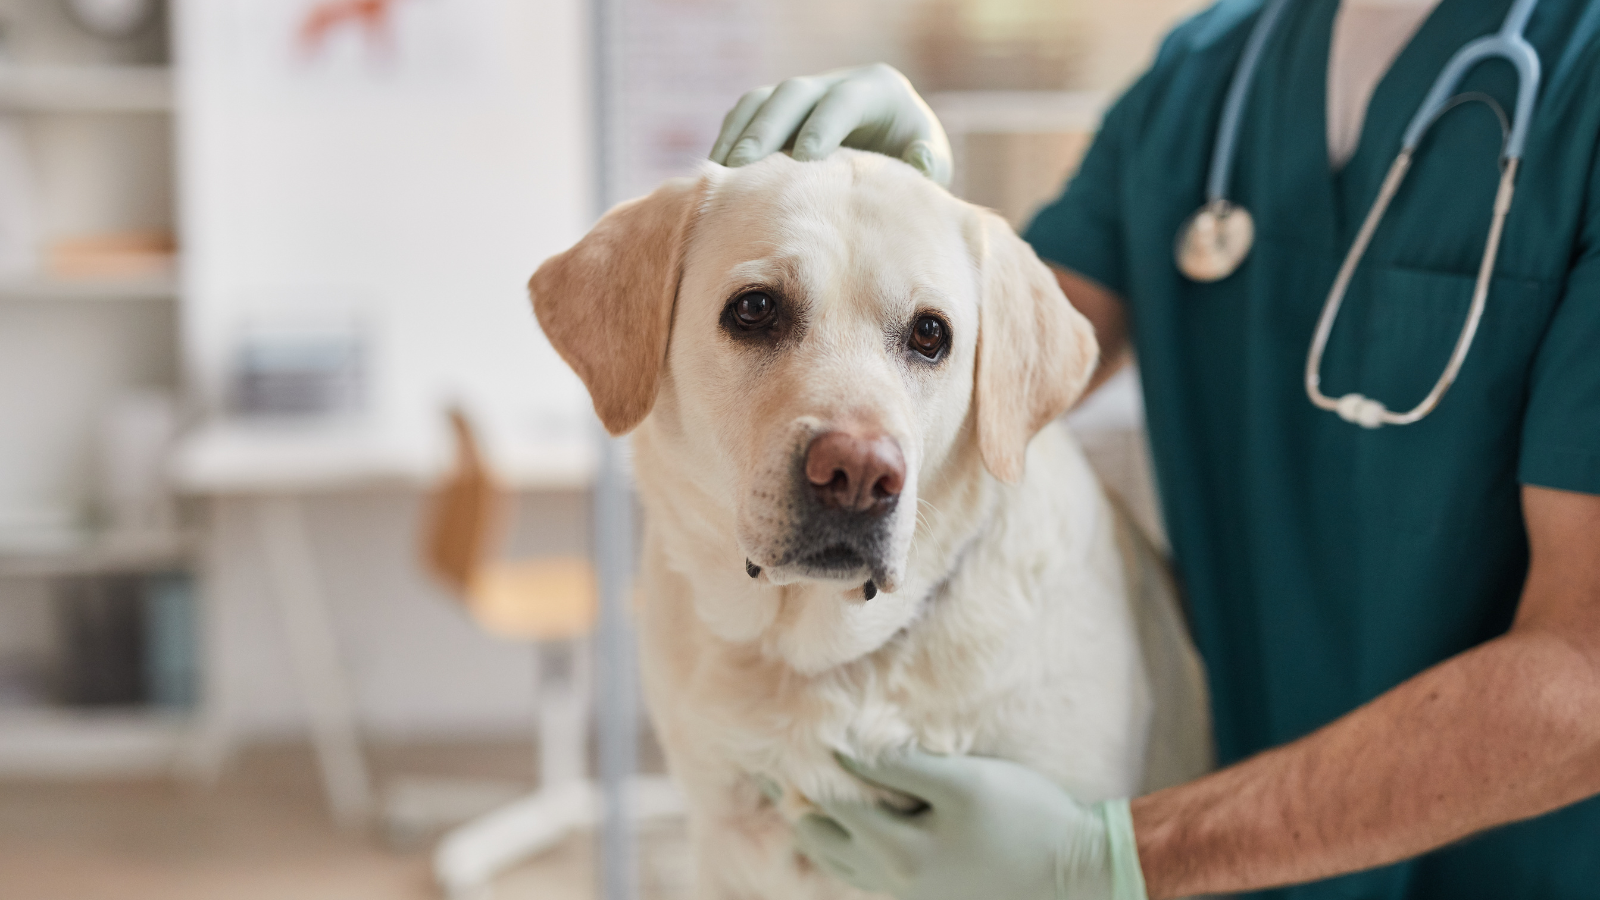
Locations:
column 614, row 679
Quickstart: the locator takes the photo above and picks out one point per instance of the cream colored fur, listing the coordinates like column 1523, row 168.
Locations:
column 1004, row 626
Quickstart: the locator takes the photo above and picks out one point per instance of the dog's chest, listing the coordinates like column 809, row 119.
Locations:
column 754, row 721
column 993, row 672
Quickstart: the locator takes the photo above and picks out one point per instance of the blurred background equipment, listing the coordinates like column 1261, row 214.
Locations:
column 248, row 250
column 104, row 642
column 112, row 18
column 300, row 369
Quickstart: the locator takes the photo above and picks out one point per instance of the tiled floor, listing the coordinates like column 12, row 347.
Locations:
column 262, row 834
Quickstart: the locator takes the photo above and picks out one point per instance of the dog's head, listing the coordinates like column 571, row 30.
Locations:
column 816, row 340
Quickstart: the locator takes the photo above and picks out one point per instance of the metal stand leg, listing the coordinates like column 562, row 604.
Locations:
column 562, row 669
column 618, row 716
column 313, row 650
column 211, row 744
column 469, row 857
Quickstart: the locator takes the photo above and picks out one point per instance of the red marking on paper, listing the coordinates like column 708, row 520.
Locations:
column 372, row 17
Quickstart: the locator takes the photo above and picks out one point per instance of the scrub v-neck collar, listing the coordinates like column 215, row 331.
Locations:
column 1399, row 94
column 1330, row 204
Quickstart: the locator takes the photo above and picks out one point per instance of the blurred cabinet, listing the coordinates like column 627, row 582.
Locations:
column 96, row 607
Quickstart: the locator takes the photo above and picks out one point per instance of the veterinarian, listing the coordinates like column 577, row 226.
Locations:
column 1401, row 621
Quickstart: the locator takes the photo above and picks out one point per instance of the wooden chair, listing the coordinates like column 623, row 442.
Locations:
column 544, row 600
column 550, row 602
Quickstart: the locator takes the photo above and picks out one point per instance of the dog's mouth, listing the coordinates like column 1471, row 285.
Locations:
column 839, row 559
column 842, row 560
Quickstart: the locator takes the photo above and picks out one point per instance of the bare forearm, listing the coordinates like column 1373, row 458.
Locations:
column 1504, row 732
column 1105, row 310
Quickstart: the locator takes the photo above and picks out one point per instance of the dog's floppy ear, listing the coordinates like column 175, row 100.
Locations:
column 606, row 303
column 1035, row 352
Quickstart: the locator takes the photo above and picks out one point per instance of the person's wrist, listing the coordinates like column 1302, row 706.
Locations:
column 1122, row 852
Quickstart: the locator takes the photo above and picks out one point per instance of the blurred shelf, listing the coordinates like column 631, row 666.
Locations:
column 59, row 742
column 89, row 554
column 1019, row 112
column 155, row 287
column 40, row 88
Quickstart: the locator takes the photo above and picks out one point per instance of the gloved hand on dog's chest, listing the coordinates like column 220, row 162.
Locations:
column 990, row 828
column 868, row 108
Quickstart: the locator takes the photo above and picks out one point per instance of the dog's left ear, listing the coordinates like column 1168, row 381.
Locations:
column 1035, row 351
column 606, row 304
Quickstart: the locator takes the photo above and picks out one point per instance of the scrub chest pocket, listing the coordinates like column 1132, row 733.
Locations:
column 1411, row 322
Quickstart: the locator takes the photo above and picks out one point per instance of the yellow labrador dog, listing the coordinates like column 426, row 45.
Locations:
column 863, row 533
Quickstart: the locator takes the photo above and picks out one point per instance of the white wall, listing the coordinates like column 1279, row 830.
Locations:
column 412, row 189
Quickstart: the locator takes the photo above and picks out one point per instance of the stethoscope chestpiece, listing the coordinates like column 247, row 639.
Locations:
column 1214, row 242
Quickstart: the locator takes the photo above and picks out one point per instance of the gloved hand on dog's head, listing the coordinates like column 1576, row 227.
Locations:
column 867, row 108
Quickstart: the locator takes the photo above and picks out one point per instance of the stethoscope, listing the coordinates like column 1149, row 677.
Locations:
column 1214, row 241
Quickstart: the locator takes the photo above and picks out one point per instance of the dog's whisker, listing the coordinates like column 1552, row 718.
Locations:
column 922, row 518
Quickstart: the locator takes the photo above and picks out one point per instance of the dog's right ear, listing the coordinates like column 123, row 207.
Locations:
column 606, row 303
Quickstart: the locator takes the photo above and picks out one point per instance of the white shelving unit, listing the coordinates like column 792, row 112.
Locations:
column 85, row 88
column 101, row 554
column 79, row 742
column 76, row 743
column 36, row 288
column 95, row 119
column 36, row 89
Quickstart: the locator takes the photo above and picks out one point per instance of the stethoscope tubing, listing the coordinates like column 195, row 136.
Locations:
column 1511, row 47
column 1365, row 411
column 1233, row 107
column 1508, row 44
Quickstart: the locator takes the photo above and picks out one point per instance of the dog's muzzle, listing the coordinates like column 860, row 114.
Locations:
column 846, row 487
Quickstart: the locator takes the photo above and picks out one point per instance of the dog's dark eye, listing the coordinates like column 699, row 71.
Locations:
column 755, row 309
column 929, row 336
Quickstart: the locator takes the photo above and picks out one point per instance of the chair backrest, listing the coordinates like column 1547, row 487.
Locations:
column 467, row 515
column 551, row 598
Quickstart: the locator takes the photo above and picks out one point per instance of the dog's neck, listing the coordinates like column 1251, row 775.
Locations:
column 811, row 626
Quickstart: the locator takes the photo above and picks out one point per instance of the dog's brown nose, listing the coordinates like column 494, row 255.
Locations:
column 855, row 471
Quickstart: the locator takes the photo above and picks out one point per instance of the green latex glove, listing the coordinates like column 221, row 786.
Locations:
column 869, row 108
column 989, row 829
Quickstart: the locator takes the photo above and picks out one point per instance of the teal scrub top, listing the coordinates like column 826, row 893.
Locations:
column 1324, row 563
